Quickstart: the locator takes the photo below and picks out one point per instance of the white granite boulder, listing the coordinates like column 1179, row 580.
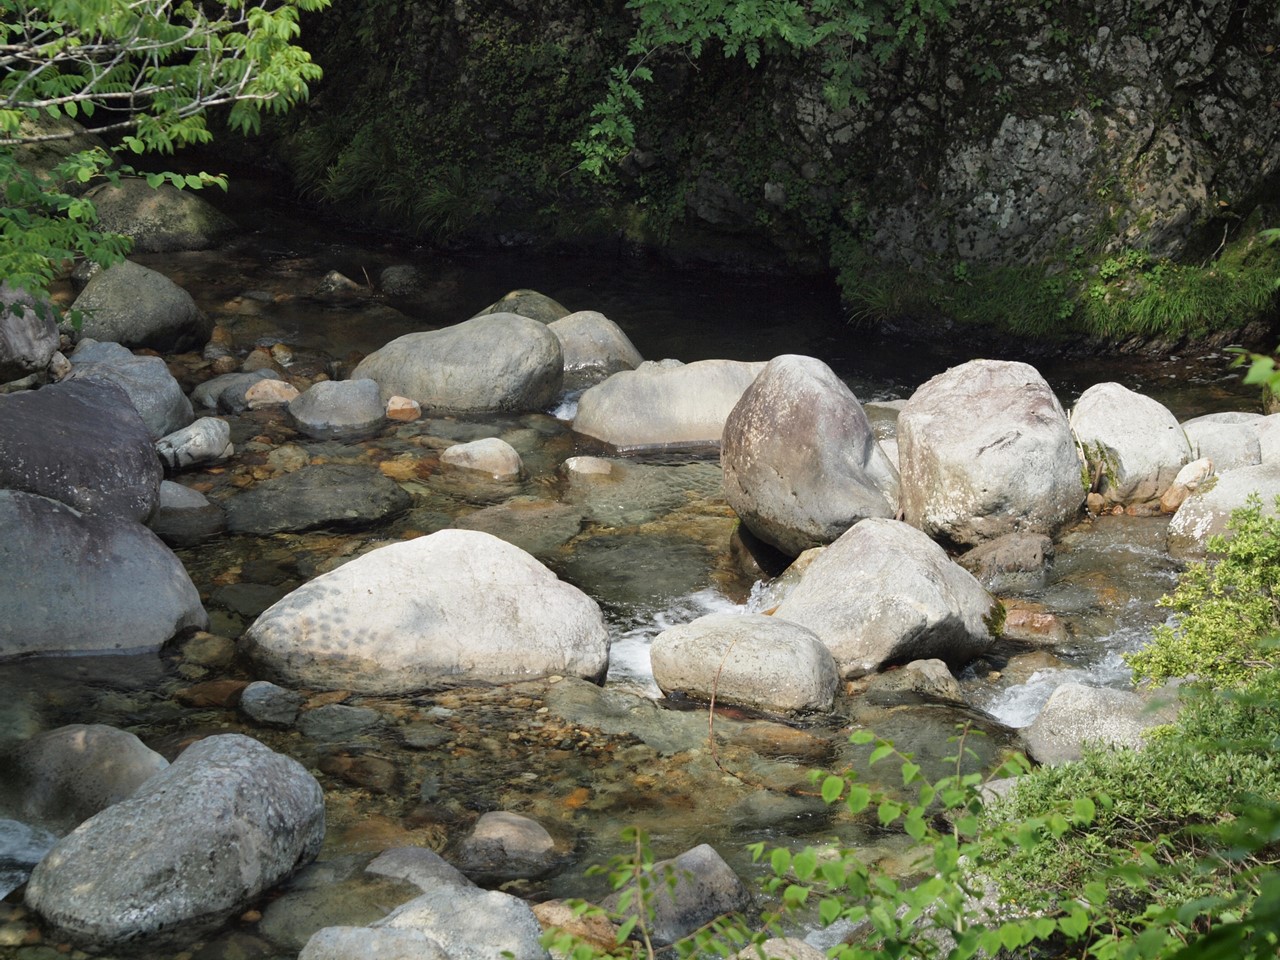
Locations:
column 1132, row 444
column 1206, row 512
column 1229, row 439
column 746, row 659
column 1077, row 715
column 985, row 450
column 801, row 462
column 457, row 605
column 884, row 594
column 489, row 455
column 499, row 361
column 206, row 439
column 665, row 403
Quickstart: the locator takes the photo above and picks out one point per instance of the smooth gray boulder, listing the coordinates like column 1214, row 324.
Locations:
column 490, row 455
column 152, row 390
column 62, row 777
column 1230, row 440
column 424, row 868
column 746, row 659
column 1132, row 445
column 185, row 516
column 594, row 348
column 704, row 887
column 1269, row 439
column 338, row 408
column 226, row 821
column 883, row 594
column 227, row 392
column 479, row 609
column 801, row 462
column 1206, row 512
column 136, row 306
column 28, row 334
column 665, row 403
column 505, row 846
column 321, row 495
column 82, row 443
column 160, row 219
column 984, row 450
column 365, row 943
column 527, row 303
column 1077, row 715
column 471, row 924
column 204, row 440
column 78, row 583
column 496, row 362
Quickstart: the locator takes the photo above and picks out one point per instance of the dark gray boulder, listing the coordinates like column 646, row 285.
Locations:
column 78, row 583
column 63, row 777
column 160, row 219
column 325, row 495
column 226, row 821
column 185, row 516
column 28, row 334
column 528, row 303
column 801, row 461
column 136, row 306
column 152, row 390
column 82, row 443
column 338, row 408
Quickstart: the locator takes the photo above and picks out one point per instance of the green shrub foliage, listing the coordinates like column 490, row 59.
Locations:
column 1226, row 606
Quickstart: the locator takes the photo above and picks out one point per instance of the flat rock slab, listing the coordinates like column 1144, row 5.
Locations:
column 325, row 495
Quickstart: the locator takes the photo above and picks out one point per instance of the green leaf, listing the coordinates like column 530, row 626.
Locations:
column 832, row 787
column 1085, row 811
column 889, row 812
column 880, row 752
column 859, row 798
column 625, row 928
column 861, row 737
column 780, row 861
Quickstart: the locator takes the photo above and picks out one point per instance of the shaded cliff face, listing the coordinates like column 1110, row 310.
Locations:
column 1020, row 134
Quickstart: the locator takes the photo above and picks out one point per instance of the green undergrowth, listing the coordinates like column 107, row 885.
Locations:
column 1112, row 297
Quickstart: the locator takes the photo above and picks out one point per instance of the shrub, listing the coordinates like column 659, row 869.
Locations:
column 1227, row 606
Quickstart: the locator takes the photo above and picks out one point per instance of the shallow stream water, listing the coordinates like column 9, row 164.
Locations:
column 652, row 547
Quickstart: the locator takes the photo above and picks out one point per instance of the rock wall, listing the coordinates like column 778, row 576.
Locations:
column 1017, row 134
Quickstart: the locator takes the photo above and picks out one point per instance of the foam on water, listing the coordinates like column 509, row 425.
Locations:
column 629, row 666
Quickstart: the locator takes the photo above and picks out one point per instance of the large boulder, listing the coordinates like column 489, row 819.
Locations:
column 594, row 348
column 1077, row 715
column 136, row 306
column 476, row 608
column 984, row 450
column 28, row 334
column 496, row 362
column 1229, row 439
column 160, row 219
column 665, row 403
column 469, row 924
column 78, row 583
column 226, row 821
column 324, row 495
column 801, row 462
column 752, row 660
column 152, row 389
column 1206, row 512
column 63, row 777
column 884, row 594
column 1133, row 446
column 82, row 443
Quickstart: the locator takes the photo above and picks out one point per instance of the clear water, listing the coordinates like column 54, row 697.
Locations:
column 653, row 550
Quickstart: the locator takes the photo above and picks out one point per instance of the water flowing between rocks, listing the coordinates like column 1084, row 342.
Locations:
column 652, row 547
